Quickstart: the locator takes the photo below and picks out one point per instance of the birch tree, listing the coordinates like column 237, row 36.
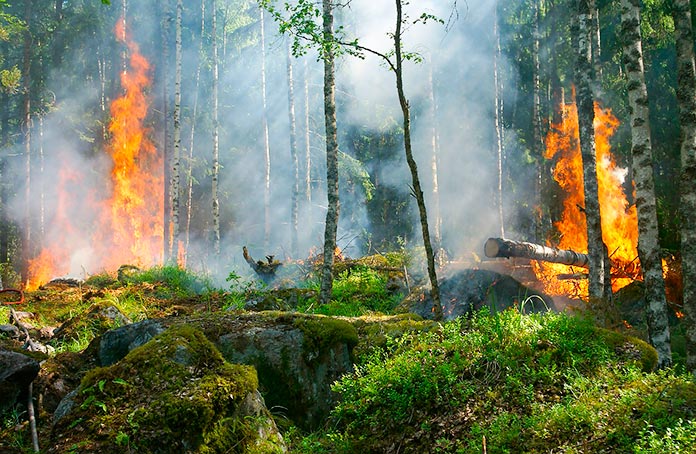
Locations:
column 686, row 97
column 216, row 136
column 177, row 137
column 641, row 150
column 266, row 143
column 585, row 105
column 294, row 202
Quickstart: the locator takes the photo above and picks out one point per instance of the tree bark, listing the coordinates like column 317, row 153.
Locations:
column 435, row 164
column 641, row 149
column 596, row 41
column 499, row 247
column 333, row 207
column 415, row 179
column 294, row 202
column 686, row 97
column 192, row 137
column 308, row 149
column 538, row 141
column 266, row 143
column 167, row 131
column 216, row 138
column 498, row 123
column 177, row 138
column 599, row 290
column 27, row 124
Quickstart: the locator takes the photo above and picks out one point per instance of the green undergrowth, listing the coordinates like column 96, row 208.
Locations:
column 518, row 383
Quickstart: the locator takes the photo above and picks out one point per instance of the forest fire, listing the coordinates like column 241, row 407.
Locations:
column 128, row 225
column 619, row 219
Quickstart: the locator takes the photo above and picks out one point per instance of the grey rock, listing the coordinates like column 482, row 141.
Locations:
column 116, row 343
column 10, row 331
column 17, row 371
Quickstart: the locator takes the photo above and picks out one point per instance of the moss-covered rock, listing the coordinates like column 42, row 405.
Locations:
column 174, row 394
column 298, row 357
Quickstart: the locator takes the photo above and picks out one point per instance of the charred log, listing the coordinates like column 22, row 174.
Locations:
column 266, row 270
column 499, row 247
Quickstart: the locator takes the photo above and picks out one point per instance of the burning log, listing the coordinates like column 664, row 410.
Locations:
column 266, row 270
column 499, row 247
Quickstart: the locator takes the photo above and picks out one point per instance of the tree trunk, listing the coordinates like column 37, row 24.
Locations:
column 308, row 147
column 192, row 135
column 538, row 141
column 585, row 103
column 686, row 96
column 266, row 143
column 177, row 138
column 333, row 207
column 434, row 164
column 294, row 202
column 216, row 142
column 167, row 154
column 641, row 149
column 596, row 41
column 499, row 247
column 27, row 126
column 498, row 123
column 418, row 192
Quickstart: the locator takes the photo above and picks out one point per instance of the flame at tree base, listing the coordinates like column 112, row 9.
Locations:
column 619, row 218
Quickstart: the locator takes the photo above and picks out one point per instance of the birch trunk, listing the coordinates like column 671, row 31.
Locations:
column 167, row 133
column 598, row 275
column 333, row 207
column 294, row 208
column 686, row 97
column 498, row 125
column 26, row 119
column 216, row 140
column 538, row 145
column 641, row 150
column 192, row 136
column 434, row 164
column 596, row 41
column 308, row 147
column 415, row 179
column 177, row 138
column 266, row 144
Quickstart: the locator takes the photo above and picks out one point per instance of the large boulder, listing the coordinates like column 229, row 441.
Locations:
column 468, row 290
column 17, row 371
column 174, row 394
column 298, row 357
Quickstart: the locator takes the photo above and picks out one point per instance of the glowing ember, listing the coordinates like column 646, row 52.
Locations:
column 129, row 224
column 619, row 219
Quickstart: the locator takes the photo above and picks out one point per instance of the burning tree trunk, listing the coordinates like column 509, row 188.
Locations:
column 686, row 96
column 599, row 289
column 641, row 149
column 499, row 247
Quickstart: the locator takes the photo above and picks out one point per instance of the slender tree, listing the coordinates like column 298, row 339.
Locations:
column 216, row 136
column 415, row 179
column 294, row 202
column 192, row 136
column 176, row 157
column 308, row 147
column 686, row 97
column 641, row 149
column 266, row 142
column 167, row 132
column 537, row 138
column 435, row 165
column 585, row 105
column 27, row 126
column 498, row 112
column 333, row 208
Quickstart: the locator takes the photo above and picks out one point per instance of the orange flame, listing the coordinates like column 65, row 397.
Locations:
column 129, row 226
column 619, row 219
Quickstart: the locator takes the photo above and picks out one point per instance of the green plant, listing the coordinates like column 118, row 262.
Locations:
column 681, row 438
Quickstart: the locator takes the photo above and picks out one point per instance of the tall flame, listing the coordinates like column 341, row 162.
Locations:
column 618, row 218
column 132, row 219
column 129, row 226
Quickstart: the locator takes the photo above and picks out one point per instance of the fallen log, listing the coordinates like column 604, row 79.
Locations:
column 499, row 247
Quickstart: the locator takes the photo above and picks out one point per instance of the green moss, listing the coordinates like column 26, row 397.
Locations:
column 630, row 348
column 172, row 394
column 322, row 333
